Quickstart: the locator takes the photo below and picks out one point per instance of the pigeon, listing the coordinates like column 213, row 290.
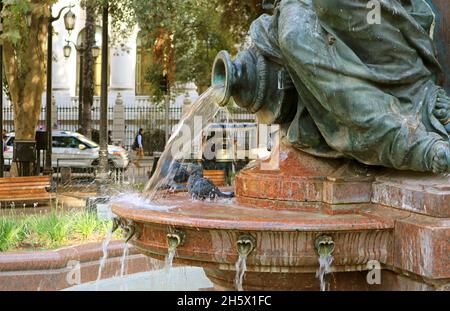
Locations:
column 202, row 188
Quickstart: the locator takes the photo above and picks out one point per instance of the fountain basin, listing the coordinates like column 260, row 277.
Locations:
column 285, row 240
column 279, row 216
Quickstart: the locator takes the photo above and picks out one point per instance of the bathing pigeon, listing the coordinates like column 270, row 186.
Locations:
column 202, row 188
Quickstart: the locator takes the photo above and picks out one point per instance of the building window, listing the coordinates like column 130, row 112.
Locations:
column 144, row 57
column 97, row 61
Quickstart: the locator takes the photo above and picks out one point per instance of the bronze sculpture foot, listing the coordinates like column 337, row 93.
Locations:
column 441, row 158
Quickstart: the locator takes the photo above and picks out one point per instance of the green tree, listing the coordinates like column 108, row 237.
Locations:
column 186, row 35
column 25, row 49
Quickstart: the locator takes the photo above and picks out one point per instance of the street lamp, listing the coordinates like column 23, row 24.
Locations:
column 67, row 50
column 96, row 50
column 69, row 23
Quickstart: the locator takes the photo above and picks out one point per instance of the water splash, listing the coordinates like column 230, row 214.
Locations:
column 105, row 245
column 325, row 262
column 134, row 198
column 241, row 268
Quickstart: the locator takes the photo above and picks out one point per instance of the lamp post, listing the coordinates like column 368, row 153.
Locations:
column 69, row 23
column 80, row 49
column 103, row 154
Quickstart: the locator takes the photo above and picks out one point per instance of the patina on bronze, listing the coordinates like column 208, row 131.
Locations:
column 343, row 86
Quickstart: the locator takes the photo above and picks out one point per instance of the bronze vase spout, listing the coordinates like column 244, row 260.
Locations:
column 254, row 82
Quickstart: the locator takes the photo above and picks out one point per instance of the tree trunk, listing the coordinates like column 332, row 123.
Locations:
column 88, row 70
column 25, row 68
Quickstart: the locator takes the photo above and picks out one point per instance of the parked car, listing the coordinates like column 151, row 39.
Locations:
column 71, row 149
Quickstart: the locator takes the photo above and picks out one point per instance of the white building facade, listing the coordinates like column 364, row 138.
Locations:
column 125, row 72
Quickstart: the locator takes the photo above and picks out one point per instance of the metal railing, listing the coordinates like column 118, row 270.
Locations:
column 148, row 117
column 66, row 176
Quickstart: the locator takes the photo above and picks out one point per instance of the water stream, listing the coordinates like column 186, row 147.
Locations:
column 325, row 262
column 105, row 245
column 241, row 268
column 169, row 259
column 188, row 131
column 123, row 262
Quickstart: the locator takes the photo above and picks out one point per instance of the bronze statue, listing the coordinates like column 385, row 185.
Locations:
column 344, row 85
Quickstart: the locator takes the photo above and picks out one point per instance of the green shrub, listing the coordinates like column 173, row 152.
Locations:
column 11, row 233
column 47, row 230
column 53, row 230
column 84, row 224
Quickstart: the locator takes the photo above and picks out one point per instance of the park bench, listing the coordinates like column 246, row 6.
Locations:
column 216, row 176
column 17, row 191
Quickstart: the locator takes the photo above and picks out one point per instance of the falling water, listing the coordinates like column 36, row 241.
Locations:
column 241, row 268
column 169, row 259
column 105, row 245
column 204, row 109
column 325, row 262
column 123, row 266
column 124, row 260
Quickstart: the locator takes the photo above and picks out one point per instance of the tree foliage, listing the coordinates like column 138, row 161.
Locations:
column 25, row 25
column 122, row 17
column 25, row 49
column 186, row 35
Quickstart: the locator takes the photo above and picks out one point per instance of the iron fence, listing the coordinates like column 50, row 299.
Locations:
column 148, row 117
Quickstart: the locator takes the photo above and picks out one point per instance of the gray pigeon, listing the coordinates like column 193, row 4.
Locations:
column 202, row 188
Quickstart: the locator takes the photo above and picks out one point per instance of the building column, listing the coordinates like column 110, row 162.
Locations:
column 122, row 78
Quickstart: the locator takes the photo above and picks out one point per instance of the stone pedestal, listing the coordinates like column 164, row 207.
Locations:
column 118, row 130
column 55, row 124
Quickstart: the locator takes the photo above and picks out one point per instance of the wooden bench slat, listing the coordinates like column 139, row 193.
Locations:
column 18, row 186
column 30, row 199
column 12, row 180
column 34, row 199
column 20, row 192
column 23, row 195
column 43, row 185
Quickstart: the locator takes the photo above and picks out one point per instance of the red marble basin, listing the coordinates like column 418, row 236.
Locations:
column 285, row 240
column 398, row 219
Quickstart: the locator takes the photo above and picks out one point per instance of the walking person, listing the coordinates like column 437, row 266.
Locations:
column 110, row 137
column 138, row 147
